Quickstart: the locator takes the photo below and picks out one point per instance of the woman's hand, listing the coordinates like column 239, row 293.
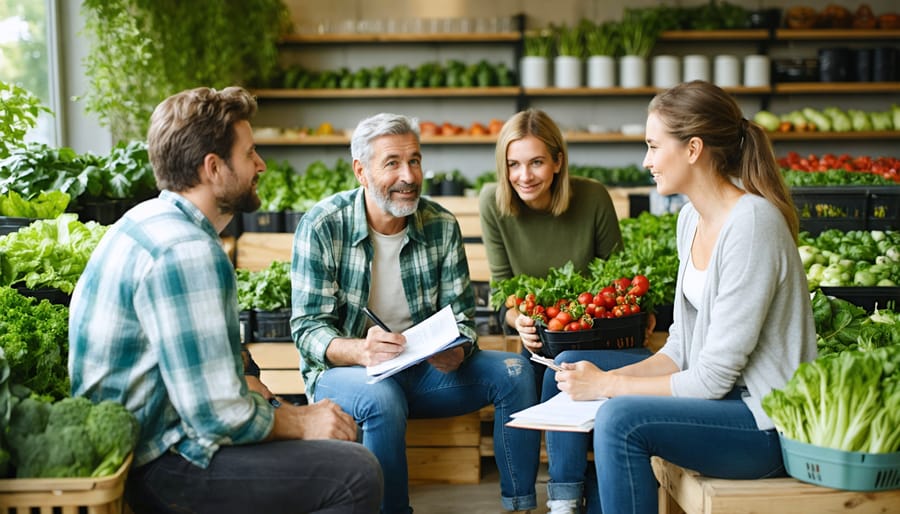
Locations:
column 584, row 381
column 528, row 333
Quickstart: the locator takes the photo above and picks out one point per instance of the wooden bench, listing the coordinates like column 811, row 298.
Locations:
column 683, row 491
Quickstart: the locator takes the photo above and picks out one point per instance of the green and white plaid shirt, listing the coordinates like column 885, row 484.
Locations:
column 153, row 324
column 330, row 274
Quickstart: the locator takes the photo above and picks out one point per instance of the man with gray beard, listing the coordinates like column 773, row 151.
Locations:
column 384, row 247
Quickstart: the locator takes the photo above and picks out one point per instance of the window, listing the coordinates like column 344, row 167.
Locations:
column 26, row 57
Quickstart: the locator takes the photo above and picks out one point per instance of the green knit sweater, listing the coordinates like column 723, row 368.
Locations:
column 535, row 241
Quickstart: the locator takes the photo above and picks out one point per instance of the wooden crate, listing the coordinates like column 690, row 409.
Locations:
column 684, row 491
column 101, row 495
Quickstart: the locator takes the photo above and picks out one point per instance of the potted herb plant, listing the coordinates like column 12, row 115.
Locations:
column 535, row 63
column 639, row 28
column 264, row 300
column 602, row 42
column 568, row 63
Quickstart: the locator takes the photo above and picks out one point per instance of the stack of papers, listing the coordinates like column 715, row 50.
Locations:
column 560, row 413
column 432, row 336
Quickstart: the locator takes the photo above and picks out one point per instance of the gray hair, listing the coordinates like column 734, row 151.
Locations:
column 383, row 124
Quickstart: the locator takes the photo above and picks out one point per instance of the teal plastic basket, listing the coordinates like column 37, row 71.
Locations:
column 850, row 471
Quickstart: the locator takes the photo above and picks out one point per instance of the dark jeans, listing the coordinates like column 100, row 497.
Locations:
column 273, row 477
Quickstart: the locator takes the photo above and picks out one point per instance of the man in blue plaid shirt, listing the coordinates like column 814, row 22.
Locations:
column 154, row 325
column 384, row 247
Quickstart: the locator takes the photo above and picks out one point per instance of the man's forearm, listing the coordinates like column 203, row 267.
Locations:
column 344, row 352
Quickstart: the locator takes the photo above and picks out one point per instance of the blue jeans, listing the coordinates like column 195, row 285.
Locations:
column 718, row 438
column 335, row 477
column 502, row 378
column 570, row 476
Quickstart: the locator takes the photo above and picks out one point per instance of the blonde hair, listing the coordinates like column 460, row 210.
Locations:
column 532, row 122
column 738, row 148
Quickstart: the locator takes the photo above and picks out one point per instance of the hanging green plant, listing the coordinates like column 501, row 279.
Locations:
column 144, row 50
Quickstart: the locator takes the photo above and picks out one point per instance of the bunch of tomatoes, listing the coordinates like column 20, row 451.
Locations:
column 619, row 299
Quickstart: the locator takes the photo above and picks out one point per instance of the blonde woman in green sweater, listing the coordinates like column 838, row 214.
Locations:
column 537, row 217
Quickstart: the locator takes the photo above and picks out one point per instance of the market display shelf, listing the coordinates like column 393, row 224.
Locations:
column 847, row 207
column 835, row 136
column 407, row 92
column 401, row 37
column 834, row 34
column 836, row 87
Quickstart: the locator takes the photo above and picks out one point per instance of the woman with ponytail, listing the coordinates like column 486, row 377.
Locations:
column 743, row 321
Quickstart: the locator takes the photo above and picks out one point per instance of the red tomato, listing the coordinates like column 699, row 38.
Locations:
column 552, row 311
column 555, row 324
column 585, row 298
column 586, row 322
column 574, row 326
column 622, row 284
column 609, row 300
column 639, row 285
column 564, row 317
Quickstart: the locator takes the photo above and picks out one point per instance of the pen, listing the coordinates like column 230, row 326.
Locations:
column 375, row 319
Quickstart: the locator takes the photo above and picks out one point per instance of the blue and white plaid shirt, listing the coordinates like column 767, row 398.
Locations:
column 153, row 324
column 330, row 274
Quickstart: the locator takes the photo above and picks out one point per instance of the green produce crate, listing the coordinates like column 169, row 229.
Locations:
column 847, row 208
column 851, row 471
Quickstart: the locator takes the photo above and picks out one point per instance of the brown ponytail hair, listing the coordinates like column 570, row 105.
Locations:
column 738, row 148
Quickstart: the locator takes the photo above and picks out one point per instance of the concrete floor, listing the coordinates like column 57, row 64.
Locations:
column 481, row 498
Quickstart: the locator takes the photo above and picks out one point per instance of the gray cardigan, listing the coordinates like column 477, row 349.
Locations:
column 755, row 323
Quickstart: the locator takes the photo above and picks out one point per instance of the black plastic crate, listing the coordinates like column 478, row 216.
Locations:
column 263, row 221
column 867, row 297
column 607, row 334
column 847, row 207
column 272, row 326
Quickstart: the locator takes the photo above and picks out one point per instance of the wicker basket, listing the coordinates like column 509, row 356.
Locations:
column 101, row 495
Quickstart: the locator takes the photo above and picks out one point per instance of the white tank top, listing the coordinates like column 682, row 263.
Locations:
column 694, row 281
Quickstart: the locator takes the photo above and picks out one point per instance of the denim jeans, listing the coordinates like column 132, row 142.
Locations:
column 503, row 379
column 570, row 476
column 718, row 438
column 334, row 477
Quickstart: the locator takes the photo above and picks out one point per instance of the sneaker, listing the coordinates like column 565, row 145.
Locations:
column 562, row 506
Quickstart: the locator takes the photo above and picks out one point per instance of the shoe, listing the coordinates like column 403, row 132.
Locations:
column 562, row 506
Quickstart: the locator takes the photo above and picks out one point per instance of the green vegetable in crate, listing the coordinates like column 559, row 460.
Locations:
column 265, row 290
column 823, row 123
column 849, row 401
column 46, row 205
column 859, row 119
column 70, row 438
column 767, row 120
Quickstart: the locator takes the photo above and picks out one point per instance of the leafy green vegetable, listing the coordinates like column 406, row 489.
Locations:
column 5, row 407
column 70, row 438
column 19, row 114
column 35, row 339
column 45, row 205
column 48, row 253
column 265, row 290
column 848, row 401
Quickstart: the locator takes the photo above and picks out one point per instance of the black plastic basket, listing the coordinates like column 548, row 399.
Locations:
column 867, row 297
column 291, row 219
column 247, row 320
column 50, row 294
column 847, row 207
column 263, row 221
column 607, row 334
column 272, row 326
column 9, row 224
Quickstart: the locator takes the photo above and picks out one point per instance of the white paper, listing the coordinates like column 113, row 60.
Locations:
column 435, row 334
column 559, row 413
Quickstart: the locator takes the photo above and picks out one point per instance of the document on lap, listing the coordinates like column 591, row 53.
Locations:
column 560, row 413
column 434, row 335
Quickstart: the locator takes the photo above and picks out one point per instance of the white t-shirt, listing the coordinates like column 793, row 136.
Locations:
column 387, row 298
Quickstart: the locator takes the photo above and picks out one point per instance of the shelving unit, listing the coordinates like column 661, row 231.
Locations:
column 564, row 104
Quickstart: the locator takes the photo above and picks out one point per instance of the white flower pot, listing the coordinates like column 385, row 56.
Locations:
column 535, row 71
column 726, row 71
column 567, row 72
column 696, row 67
column 666, row 71
column 632, row 71
column 601, row 71
column 756, row 71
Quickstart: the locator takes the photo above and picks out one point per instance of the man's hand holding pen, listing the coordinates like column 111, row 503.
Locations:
column 381, row 346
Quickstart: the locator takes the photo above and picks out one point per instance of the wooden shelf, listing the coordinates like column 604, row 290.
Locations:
column 421, row 92
column 464, row 37
column 342, row 140
column 832, row 34
column 627, row 91
column 835, row 136
column 604, row 137
column 836, row 87
column 715, row 35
